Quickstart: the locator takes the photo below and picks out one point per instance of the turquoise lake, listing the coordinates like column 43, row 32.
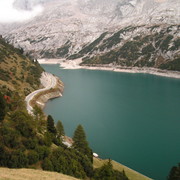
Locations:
column 131, row 118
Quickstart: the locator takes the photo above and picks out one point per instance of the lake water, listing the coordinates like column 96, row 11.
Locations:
column 131, row 118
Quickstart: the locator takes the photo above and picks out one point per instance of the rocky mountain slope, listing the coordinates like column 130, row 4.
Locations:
column 72, row 28
column 150, row 46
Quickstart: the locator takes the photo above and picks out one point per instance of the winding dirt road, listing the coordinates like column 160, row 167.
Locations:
column 48, row 81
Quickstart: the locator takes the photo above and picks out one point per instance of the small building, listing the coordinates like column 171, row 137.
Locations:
column 95, row 155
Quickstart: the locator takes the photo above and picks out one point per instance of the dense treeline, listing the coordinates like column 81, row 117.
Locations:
column 33, row 141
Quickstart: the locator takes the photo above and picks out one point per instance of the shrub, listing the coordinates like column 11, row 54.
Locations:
column 23, row 123
column 174, row 173
column 30, row 143
column 17, row 160
column 11, row 138
column 33, row 157
column 42, row 151
column 47, row 140
column 47, row 165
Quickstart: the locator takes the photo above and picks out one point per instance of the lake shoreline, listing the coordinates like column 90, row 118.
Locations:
column 52, row 88
column 103, row 100
column 75, row 64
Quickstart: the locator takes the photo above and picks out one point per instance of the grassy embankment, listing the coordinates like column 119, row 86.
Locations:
column 131, row 174
column 29, row 174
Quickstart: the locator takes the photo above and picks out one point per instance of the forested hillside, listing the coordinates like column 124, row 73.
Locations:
column 35, row 141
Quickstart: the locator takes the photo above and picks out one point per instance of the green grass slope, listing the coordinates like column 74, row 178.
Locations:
column 131, row 174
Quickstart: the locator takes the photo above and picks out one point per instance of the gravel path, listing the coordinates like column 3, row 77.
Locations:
column 48, row 81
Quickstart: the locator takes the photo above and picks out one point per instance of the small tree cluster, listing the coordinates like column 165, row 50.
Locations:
column 106, row 172
column 55, row 131
column 68, row 161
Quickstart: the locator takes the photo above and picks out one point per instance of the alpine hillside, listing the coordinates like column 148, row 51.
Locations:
column 33, row 140
column 18, row 73
column 122, row 32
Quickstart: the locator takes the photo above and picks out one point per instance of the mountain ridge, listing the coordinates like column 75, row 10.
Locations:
column 66, row 27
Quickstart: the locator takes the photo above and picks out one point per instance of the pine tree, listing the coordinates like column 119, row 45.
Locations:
column 39, row 118
column 60, row 129
column 80, row 138
column 80, row 142
column 38, row 113
column 174, row 173
column 50, row 125
column 2, row 107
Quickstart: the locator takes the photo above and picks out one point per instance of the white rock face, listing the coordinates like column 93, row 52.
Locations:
column 71, row 24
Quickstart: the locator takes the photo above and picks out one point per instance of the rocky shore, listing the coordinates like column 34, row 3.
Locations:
column 52, row 87
column 75, row 64
column 41, row 99
column 144, row 70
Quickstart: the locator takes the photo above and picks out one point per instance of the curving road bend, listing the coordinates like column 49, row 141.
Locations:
column 48, row 81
